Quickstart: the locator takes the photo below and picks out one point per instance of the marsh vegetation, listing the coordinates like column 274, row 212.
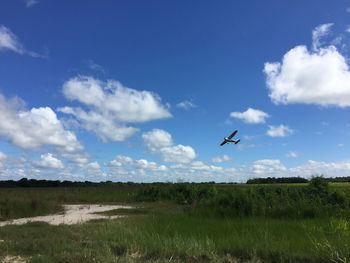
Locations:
column 184, row 223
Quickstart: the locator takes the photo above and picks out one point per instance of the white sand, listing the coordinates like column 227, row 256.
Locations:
column 73, row 214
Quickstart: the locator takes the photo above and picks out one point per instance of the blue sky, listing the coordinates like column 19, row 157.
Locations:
column 146, row 90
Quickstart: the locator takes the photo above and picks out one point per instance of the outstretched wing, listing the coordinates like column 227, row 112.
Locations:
column 221, row 144
column 232, row 134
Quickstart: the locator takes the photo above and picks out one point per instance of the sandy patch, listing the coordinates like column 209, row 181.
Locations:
column 14, row 259
column 73, row 214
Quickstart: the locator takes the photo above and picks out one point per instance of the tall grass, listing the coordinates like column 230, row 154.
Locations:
column 175, row 237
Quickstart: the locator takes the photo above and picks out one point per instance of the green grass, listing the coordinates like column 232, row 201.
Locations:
column 180, row 237
column 184, row 229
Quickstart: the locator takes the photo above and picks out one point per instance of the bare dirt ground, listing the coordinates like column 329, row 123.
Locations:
column 73, row 214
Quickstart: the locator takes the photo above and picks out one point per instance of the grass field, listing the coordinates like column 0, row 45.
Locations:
column 179, row 226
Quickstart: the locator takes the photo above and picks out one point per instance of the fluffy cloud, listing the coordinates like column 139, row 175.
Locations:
column 111, row 107
column 126, row 166
column 49, row 161
column 268, row 167
column 252, row 116
column 221, row 159
column 34, row 128
column 279, row 131
column 161, row 142
column 157, row 139
column 9, row 41
column 102, row 125
column 330, row 169
column 320, row 76
column 186, row 105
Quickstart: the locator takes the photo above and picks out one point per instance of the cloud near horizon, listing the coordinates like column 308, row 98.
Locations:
column 34, row 128
column 160, row 141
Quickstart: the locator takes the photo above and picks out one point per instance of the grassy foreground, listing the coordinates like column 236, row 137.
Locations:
column 171, row 231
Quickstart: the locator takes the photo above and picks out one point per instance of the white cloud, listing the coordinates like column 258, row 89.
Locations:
column 292, row 154
column 268, row 166
column 112, row 106
column 318, row 33
column 93, row 166
column 157, row 139
column 34, row 128
column 329, row 169
column 178, row 154
column 221, row 159
column 9, row 41
column 161, row 142
column 251, row 116
column 101, row 124
column 49, row 161
column 186, row 105
column 319, row 77
column 279, row 131
column 126, row 167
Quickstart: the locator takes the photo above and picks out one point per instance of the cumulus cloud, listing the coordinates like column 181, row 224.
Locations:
column 186, row 105
column 94, row 165
column 329, row 169
column 111, row 107
column 268, row 166
column 320, row 76
column 157, row 139
column 251, row 116
column 221, row 159
column 49, row 161
column 9, row 41
column 160, row 141
column 34, row 128
column 127, row 166
column 279, row 131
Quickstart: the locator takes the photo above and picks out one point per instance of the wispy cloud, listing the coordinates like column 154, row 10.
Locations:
column 186, row 105
column 9, row 41
column 318, row 33
column 94, row 66
column 292, row 154
column 31, row 3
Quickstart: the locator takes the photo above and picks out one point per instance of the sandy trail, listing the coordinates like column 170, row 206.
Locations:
column 73, row 214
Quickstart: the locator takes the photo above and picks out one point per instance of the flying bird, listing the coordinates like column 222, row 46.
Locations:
column 229, row 139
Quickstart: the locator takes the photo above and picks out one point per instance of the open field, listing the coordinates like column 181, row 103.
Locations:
column 183, row 223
